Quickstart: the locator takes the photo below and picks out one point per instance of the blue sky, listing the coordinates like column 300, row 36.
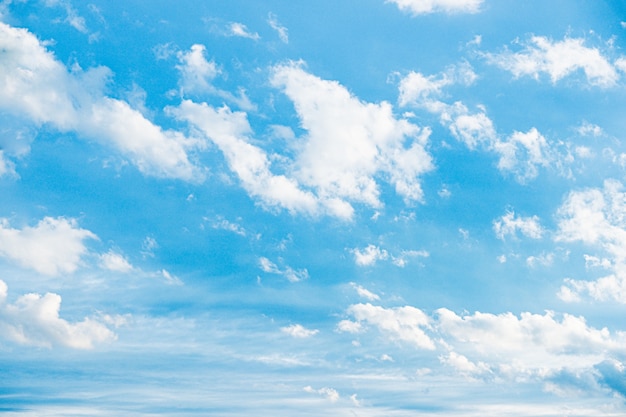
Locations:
column 353, row 208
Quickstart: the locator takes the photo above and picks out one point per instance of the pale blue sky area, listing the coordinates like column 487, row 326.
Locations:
column 324, row 208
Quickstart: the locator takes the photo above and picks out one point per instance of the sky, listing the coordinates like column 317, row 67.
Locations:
column 326, row 208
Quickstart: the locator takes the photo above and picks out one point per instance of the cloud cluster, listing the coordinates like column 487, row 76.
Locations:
column 349, row 147
column 37, row 87
column 509, row 224
column 558, row 59
column 288, row 272
column 487, row 345
column 596, row 217
column 34, row 320
column 520, row 154
column 418, row 7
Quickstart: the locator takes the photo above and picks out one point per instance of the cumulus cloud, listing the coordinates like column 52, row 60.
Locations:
column 197, row 75
column 418, row 7
column 231, row 132
column 350, row 143
column 528, row 344
column 331, row 169
column 53, row 246
column 34, row 320
column 558, row 59
column 298, row 331
column 509, row 224
column 406, row 324
column 369, row 255
column 521, row 154
column 116, row 262
column 597, row 218
column 486, row 344
column 38, row 88
column 196, row 71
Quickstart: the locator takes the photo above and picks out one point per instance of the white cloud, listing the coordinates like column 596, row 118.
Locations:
column 589, row 129
column 509, row 224
column 404, row 324
column 283, row 33
column 522, row 153
column 196, row 72
column 485, row 344
column 241, row 30
column 464, row 365
column 116, row 262
column 558, row 59
column 330, row 169
column 597, row 218
column 299, row 331
column 364, row 292
column 224, row 224
column 288, row 272
column 53, row 246
column 417, row 7
column 403, row 259
column 349, row 142
column 369, row 255
column 39, row 88
column 231, row 132
column 545, row 259
column 329, row 393
column 34, row 320
column 530, row 343
column 471, row 128
column 73, row 18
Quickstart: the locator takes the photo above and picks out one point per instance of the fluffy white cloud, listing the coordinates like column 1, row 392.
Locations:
column 196, row 72
column 558, row 59
column 37, row 87
column 231, row 132
column 417, row 7
column 331, row 169
column 522, row 153
column 350, row 144
column 369, row 255
column 406, row 324
column 34, row 320
column 116, row 262
column 529, row 344
column 485, row 344
column 53, row 246
column 471, row 128
column 597, row 218
column 299, row 331
column 510, row 224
